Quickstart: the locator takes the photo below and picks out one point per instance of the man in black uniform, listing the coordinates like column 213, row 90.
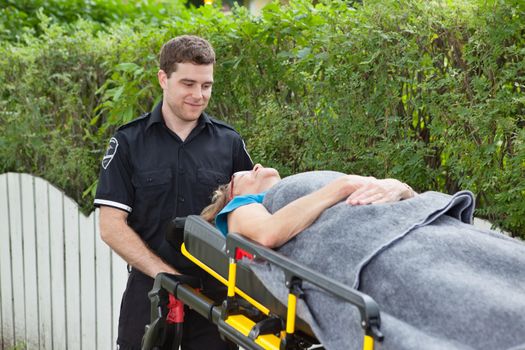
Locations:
column 162, row 165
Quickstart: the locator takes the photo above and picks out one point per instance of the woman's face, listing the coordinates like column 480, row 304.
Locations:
column 257, row 180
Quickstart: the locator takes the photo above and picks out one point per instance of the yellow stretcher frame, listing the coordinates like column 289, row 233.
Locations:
column 237, row 326
column 299, row 273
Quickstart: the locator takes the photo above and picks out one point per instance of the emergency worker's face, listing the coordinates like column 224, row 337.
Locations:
column 254, row 181
column 188, row 90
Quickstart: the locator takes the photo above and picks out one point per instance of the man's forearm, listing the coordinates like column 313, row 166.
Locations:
column 127, row 243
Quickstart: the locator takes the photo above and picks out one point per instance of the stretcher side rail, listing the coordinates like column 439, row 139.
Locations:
column 228, row 316
column 368, row 308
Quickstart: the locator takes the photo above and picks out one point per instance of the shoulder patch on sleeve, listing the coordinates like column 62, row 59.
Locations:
column 110, row 152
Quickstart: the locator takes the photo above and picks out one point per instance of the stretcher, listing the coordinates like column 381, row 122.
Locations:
column 248, row 314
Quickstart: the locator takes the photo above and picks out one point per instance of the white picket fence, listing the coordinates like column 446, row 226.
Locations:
column 60, row 285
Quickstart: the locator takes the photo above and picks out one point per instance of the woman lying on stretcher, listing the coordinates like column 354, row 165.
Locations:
column 237, row 206
column 440, row 282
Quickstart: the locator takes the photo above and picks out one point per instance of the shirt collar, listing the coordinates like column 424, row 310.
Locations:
column 204, row 118
column 156, row 116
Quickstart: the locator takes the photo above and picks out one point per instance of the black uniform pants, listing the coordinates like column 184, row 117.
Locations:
column 198, row 332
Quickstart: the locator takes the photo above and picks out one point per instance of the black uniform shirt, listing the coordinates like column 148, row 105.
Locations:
column 152, row 174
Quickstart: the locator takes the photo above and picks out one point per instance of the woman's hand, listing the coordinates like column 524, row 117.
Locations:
column 377, row 191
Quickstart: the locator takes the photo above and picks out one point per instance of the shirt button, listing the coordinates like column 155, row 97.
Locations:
column 181, row 199
column 149, row 179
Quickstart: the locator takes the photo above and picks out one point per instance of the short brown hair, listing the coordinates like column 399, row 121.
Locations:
column 183, row 49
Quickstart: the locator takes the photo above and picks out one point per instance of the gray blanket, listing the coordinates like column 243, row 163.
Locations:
column 440, row 282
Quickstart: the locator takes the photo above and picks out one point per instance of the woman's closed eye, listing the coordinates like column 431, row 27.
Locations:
column 241, row 173
column 236, row 175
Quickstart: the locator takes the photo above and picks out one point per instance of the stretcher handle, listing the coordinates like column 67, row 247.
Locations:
column 167, row 283
column 368, row 308
column 165, row 330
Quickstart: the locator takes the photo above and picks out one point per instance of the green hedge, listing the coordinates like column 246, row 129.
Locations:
column 23, row 16
column 432, row 93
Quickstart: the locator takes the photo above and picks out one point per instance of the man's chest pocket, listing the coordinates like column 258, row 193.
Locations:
column 152, row 185
column 210, row 180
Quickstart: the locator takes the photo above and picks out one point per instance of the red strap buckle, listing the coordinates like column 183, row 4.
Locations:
column 240, row 253
column 175, row 310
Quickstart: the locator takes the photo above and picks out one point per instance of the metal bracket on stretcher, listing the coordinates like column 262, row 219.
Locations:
column 249, row 315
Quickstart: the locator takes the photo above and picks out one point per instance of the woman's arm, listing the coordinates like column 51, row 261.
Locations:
column 273, row 230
